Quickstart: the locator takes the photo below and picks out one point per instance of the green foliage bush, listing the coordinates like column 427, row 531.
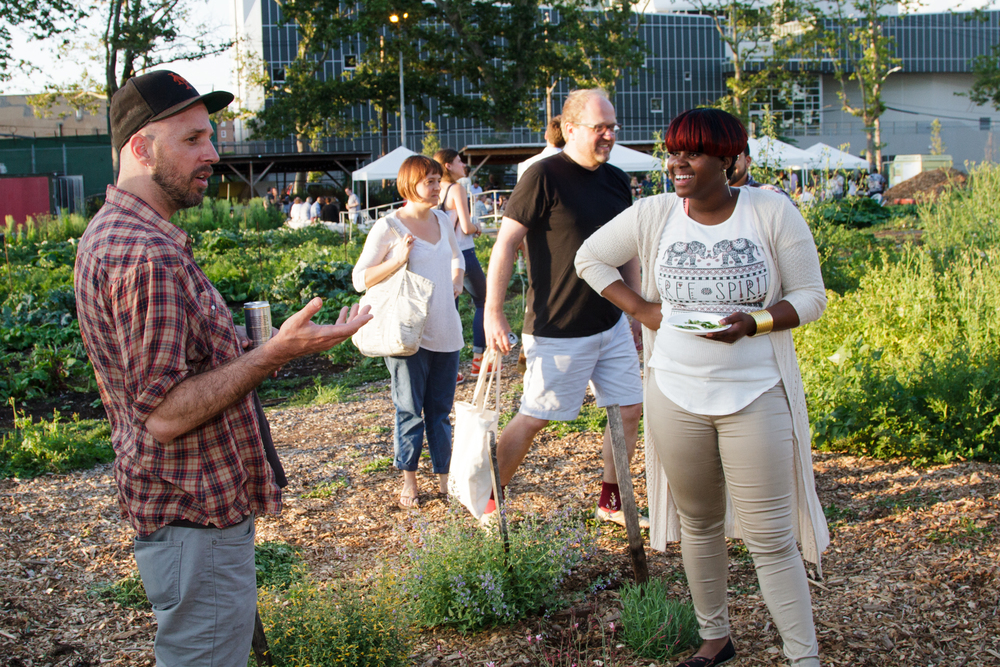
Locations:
column 965, row 217
column 460, row 576
column 907, row 365
column 857, row 212
column 307, row 626
column 36, row 448
column 655, row 625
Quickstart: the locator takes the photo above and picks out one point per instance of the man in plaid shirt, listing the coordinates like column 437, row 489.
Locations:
column 194, row 461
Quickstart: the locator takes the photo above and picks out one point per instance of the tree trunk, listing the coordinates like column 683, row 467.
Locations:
column 878, row 145
column 301, row 146
column 871, row 124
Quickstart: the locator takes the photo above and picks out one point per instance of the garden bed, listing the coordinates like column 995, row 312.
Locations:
column 910, row 578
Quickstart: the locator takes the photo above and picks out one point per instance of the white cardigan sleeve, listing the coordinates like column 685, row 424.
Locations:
column 610, row 247
column 797, row 260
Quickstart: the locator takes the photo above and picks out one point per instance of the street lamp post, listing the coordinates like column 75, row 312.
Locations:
column 395, row 18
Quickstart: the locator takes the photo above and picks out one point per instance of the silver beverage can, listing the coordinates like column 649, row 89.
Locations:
column 512, row 338
column 258, row 322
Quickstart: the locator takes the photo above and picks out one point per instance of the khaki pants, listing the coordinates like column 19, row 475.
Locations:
column 750, row 453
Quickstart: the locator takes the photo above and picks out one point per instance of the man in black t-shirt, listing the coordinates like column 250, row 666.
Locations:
column 572, row 335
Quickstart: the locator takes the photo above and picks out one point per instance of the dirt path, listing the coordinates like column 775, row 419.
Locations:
column 910, row 579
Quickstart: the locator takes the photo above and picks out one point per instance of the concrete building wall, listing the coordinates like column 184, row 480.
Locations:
column 916, row 99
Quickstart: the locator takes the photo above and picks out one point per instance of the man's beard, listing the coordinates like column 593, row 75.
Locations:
column 178, row 189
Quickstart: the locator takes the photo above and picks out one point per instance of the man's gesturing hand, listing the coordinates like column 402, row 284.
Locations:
column 299, row 335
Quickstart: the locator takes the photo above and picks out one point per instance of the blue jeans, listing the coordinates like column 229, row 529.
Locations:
column 475, row 285
column 423, row 390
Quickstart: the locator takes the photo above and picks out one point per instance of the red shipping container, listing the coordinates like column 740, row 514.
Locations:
column 23, row 196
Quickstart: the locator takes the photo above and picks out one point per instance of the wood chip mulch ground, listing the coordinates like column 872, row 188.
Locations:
column 911, row 577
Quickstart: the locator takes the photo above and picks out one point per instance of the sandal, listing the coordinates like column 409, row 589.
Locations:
column 409, row 502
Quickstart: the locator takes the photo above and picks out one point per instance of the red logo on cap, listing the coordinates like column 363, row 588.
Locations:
column 180, row 80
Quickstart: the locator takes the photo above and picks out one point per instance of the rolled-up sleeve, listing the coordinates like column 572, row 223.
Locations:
column 150, row 314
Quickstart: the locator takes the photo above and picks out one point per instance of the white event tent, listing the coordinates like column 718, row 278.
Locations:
column 631, row 160
column 778, row 154
column 827, row 157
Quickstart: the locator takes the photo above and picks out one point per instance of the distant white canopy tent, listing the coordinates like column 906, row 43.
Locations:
column 828, row 158
column 631, row 160
column 778, row 154
column 623, row 157
column 386, row 167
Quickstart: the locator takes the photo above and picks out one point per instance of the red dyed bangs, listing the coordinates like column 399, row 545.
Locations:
column 709, row 131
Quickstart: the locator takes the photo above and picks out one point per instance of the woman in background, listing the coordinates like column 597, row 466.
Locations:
column 454, row 201
column 727, row 434
column 423, row 384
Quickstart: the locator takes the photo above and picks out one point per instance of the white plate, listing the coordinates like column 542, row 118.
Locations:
column 681, row 321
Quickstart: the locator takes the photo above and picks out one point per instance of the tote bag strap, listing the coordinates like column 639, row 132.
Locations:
column 492, row 361
column 392, row 227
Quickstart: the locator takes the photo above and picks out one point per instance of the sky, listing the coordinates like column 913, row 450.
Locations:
column 216, row 73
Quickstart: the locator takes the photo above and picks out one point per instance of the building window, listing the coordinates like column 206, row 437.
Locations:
column 278, row 74
column 222, row 134
column 795, row 107
column 350, row 61
column 656, row 105
column 687, row 76
column 984, row 124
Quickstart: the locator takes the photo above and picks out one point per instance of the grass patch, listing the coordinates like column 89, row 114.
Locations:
column 460, row 576
column 591, row 418
column 912, row 499
column 377, row 464
column 654, row 624
column 326, row 489
column 36, row 448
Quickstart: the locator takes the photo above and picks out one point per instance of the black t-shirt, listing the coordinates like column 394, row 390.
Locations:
column 329, row 212
column 562, row 204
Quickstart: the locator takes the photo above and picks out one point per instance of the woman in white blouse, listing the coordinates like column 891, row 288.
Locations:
column 423, row 385
column 727, row 435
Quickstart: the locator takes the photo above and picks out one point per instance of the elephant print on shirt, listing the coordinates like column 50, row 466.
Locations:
column 739, row 251
column 686, row 252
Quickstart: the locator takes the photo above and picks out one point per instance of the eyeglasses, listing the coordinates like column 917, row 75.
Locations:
column 602, row 128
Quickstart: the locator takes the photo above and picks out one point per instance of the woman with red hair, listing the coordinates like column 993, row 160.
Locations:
column 728, row 273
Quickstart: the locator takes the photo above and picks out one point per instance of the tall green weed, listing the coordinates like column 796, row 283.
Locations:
column 965, row 217
column 654, row 624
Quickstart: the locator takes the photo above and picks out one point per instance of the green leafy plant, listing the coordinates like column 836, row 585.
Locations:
column 127, row 591
column 353, row 626
column 35, row 448
column 460, row 576
column 278, row 565
column 654, row 624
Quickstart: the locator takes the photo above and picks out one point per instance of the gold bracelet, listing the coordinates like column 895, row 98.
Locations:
column 765, row 323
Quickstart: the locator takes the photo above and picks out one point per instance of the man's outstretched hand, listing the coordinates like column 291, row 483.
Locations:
column 300, row 336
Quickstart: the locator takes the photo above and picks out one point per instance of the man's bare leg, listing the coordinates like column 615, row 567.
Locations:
column 515, row 441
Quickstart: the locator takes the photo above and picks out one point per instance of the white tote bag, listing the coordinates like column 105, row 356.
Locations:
column 399, row 306
column 470, row 479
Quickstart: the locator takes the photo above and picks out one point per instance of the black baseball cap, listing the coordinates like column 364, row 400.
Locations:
column 155, row 96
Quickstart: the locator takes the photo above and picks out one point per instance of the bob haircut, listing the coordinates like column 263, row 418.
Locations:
column 709, row 131
column 444, row 157
column 413, row 170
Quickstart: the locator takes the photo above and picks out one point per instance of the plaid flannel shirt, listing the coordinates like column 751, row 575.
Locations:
column 149, row 319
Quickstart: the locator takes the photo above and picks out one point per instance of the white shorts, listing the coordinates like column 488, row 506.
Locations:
column 559, row 370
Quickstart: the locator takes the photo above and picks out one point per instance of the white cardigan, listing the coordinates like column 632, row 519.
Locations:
column 790, row 254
